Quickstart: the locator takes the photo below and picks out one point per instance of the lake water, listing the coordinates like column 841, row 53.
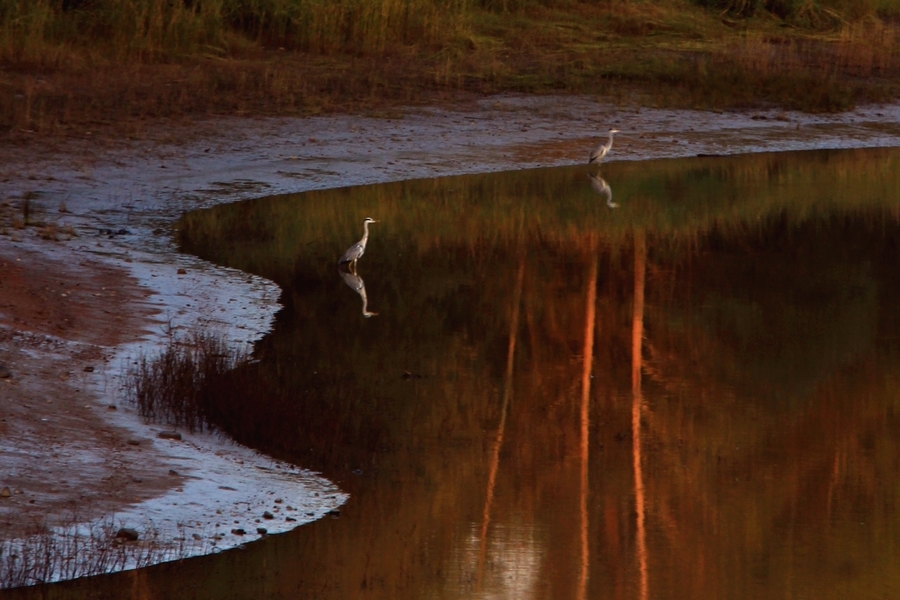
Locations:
column 686, row 388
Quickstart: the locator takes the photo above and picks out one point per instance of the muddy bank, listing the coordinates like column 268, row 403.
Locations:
column 57, row 320
column 101, row 212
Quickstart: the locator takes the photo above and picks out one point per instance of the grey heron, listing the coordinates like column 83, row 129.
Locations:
column 601, row 187
column 355, row 251
column 602, row 150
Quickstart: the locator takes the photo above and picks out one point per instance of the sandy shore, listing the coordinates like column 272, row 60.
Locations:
column 94, row 279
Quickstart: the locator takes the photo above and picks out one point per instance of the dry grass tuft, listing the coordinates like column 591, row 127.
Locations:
column 174, row 387
column 73, row 549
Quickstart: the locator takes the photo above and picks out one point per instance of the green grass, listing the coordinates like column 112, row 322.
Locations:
column 72, row 64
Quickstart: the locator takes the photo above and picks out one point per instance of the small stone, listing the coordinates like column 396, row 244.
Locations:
column 133, row 442
column 290, row 519
column 5, row 373
column 88, row 369
column 262, row 530
column 137, row 480
column 278, row 500
column 127, row 534
column 268, row 515
column 196, row 536
column 238, row 531
column 173, row 472
column 5, row 493
column 334, row 513
column 182, row 272
column 169, row 435
column 112, row 407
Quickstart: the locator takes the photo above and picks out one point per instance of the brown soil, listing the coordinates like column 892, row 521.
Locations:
column 58, row 321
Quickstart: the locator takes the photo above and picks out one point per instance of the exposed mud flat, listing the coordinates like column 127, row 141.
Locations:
column 96, row 281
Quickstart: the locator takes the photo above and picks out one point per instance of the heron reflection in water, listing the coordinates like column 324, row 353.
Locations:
column 347, row 267
column 601, row 187
column 357, row 284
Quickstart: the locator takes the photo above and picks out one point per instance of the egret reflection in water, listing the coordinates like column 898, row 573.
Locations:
column 601, row 187
column 356, row 283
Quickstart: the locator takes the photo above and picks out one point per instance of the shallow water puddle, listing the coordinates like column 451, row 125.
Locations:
column 684, row 386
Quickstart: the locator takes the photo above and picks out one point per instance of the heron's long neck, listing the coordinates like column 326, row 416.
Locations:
column 610, row 139
column 365, row 237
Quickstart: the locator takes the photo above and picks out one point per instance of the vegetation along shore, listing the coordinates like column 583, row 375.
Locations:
column 72, row 66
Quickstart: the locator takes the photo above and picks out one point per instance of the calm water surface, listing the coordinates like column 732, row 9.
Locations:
column 692, row 394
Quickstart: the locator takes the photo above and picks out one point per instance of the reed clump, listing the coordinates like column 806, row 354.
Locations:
column 174, row 387
column 43, row 31
column 74, row 548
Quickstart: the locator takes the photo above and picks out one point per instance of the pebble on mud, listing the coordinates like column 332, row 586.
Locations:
column 5, row 373
column 128, row 534
column 5, row 493
column 262, row 530
column 238, row 531
column 169, row 435
column 268, row 515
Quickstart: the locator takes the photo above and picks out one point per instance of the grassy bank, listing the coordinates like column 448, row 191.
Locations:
column 70, row 65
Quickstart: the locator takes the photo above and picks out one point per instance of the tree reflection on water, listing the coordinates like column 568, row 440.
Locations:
column 696, row 395
column 692, row 396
